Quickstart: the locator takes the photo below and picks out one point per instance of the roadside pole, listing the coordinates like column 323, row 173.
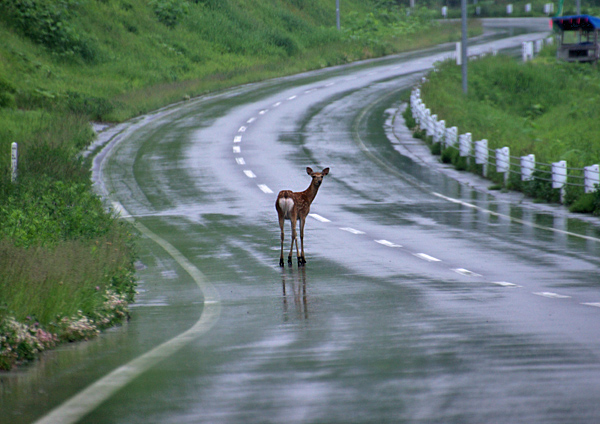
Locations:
column 463, row 47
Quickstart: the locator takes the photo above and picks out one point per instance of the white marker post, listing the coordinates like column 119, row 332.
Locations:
column 559, row 177
column 14, row 161
column 503, row 162
column 592, row 178
column 527, row 167
column 481, row 155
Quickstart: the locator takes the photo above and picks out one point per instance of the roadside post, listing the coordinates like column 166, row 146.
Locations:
column 14, row 161
column 481, row 155
column 503, row 162
column 559, row 177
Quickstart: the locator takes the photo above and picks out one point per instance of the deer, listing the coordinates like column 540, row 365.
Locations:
column 295, row 206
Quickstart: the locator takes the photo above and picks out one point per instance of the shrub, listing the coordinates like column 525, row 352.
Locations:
column 169, row 12
column 47, row 23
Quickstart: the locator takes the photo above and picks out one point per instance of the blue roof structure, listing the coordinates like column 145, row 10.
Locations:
column 576, row 22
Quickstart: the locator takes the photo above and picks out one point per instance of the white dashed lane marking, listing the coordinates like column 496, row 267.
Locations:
column 251, row 120
column 504, row 284
column 240, row 161
column 237, row 149
column 237, row 139
column 249, row 173
column 426, row 257
column 352, row 230
column 265, row 189
column 387, row 243
column 463, row 271
column 242, row 129
column 595, row 304
column 552, row 295
column 318, row 217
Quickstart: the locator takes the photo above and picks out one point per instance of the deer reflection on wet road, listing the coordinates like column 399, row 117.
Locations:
column 296, row 280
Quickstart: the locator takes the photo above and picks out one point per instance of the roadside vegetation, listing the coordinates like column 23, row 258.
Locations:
column 544, row 107
column 66, row 262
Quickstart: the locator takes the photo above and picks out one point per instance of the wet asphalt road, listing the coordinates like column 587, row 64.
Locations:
column 424, row 300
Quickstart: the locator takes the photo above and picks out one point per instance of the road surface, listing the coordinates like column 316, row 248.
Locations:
column 425, row 299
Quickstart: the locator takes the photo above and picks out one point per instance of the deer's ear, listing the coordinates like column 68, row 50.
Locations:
column 309, row 170
column 325, row 171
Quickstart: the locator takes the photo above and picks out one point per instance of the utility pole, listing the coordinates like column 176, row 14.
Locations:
column 463, row 45
column 337, row 13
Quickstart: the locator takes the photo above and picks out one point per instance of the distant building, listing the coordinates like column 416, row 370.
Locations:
column 579, row 40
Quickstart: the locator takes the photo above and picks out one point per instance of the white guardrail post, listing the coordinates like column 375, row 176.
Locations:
column 482, row 154
column 451, row 137
column 440, row 131
column 559, row 177
column 527, row 167
column 465, row 145
column 503, row 162
column 14, row 161
column 591, row 178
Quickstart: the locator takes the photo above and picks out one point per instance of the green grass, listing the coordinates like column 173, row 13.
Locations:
column 543, row 107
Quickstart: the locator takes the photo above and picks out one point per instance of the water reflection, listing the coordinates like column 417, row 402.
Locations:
column 295, row 278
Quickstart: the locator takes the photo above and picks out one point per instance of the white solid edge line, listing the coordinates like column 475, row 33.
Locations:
column 75, row 408
column 517, row 220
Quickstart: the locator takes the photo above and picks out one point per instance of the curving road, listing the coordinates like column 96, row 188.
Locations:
column 424, row 299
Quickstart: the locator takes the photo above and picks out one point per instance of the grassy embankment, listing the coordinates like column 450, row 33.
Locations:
column 543, row 107
column 66, row 265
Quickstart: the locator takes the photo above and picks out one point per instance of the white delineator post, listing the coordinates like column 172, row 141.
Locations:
column 527, row 167
column 559, row 177
column 14, row 161
column 591, row 178
column 481, row 155
column 503, row 162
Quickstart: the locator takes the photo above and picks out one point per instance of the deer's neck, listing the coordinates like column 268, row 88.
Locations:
column 311, row 192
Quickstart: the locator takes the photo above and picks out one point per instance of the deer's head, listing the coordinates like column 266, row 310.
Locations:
column 317, row 177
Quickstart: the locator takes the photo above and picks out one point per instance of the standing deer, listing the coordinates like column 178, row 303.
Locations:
column 296, row 206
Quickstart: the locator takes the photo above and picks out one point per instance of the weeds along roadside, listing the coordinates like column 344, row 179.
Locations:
column 544, row 107
column 66, row 265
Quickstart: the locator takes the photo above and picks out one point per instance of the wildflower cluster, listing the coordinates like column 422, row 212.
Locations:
column 21, row 342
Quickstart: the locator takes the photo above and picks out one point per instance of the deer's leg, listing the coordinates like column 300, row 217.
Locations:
column 294, row 239
column 281, row 222
column 301, row 258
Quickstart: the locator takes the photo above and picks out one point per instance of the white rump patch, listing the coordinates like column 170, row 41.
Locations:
column 286, row 205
